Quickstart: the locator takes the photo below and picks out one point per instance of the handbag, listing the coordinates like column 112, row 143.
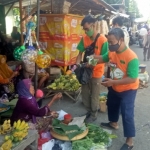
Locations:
column 90, row 49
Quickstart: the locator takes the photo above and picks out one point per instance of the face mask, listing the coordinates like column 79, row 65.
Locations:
column 90, row 33
column 114, row 48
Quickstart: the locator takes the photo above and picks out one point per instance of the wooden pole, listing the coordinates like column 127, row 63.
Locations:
column 21, row 24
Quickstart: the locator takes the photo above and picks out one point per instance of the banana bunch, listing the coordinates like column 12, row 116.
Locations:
column 20, row 130
column 6, row 127
column 6, row 145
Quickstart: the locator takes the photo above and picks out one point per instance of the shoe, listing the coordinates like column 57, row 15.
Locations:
column 126, row 147
column 108, row 126
column 90, row 119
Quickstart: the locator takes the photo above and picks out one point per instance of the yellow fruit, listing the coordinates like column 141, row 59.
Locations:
column 18, row 124
column 7, row 137
column 14, row 125
column 22, row 125
column 8, row 121
column 7, row 145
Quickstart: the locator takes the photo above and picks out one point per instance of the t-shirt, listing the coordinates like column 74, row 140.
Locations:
column 101, row 47
column 122, row 65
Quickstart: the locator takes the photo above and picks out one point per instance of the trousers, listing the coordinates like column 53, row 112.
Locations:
column 90, row 96
column 124, row 100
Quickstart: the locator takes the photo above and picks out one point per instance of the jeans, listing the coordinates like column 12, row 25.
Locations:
column 124, row 100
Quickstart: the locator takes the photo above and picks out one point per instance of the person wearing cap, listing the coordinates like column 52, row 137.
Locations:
column 91, row 90
column 122, row 85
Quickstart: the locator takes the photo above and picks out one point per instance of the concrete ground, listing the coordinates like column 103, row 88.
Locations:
column 142, row 113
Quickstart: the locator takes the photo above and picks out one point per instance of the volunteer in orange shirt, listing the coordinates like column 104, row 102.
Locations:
column 91, row 91
column 123, row 85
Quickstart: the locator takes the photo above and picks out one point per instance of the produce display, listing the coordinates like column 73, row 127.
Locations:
column 97, row 138
column 14, row 135
column 65, row 82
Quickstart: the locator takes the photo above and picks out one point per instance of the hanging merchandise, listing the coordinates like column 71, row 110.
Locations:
column 43, row 60
column 29, row 55
column 18, row 52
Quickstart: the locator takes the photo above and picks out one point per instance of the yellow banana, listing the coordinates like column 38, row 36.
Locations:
column 15, row 124
column 22, row 125
column 7, row 145
column 18, row 124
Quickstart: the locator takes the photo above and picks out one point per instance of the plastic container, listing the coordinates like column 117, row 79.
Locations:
column 67, row 119
column 142, row 68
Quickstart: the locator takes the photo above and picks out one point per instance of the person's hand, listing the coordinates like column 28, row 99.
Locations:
column 107, row 82
column 16, row 73
column 57, row 96
column 54, row 114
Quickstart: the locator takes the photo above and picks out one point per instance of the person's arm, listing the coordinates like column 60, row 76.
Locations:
column 56, row 97
column 104, row 49
column 132, row 75
column 81, row 48
column 34, row 110
column 102, row 58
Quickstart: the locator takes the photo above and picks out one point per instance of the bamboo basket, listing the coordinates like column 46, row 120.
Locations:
column 65, row 138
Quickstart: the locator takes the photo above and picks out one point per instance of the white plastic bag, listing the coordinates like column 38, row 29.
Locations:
column 48, row 145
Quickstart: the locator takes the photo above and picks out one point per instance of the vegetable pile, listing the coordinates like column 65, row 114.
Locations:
column 65, row 82
column 96, row 137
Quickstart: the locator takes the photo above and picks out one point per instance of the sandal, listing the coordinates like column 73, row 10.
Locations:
column 126, row 147
column 108, row 126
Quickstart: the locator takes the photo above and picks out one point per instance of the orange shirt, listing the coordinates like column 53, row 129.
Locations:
column 124, row 64
column 99, row 68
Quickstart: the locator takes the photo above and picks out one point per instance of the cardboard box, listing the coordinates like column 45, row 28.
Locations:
column 103, row 106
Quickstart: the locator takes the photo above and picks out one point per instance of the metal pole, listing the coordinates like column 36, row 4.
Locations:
column 37, row 34
column 21, row 25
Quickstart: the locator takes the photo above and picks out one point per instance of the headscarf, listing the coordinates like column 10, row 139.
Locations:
column 23, row 88
column 5, row 71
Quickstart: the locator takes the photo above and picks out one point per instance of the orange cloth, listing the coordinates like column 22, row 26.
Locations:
column 126, row 57
column 98, row 69
column 5, row 71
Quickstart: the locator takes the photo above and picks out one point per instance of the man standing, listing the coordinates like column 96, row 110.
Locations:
column 123, row 85
column 118, row 23
column 91, row 91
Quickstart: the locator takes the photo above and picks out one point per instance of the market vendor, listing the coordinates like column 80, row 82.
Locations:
column 15, row 34
column 27, row 108
column 91, row 90
column 123, row 85
column 8, row 76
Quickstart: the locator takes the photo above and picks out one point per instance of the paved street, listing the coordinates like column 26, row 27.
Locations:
column 142, row 113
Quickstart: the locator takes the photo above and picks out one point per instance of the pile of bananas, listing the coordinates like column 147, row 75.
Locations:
column 65, row 82
column 7, row 145
column 6, row 127
column 18, row 132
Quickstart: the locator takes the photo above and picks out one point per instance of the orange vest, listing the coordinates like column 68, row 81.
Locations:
column 119, row 64
column 98, row 69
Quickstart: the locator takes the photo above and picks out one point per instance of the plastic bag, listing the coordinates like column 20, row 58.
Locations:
column 48, row 145
column 83, row 74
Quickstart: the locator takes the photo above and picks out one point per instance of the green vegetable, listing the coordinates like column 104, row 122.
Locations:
column 97, row 134
column 84, row 144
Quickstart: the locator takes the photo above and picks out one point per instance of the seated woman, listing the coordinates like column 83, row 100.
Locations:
column 29, row 72
column 7, row 77
column 27, row 108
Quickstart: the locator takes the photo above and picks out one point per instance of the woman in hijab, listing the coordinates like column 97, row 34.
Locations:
column 27, row 108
